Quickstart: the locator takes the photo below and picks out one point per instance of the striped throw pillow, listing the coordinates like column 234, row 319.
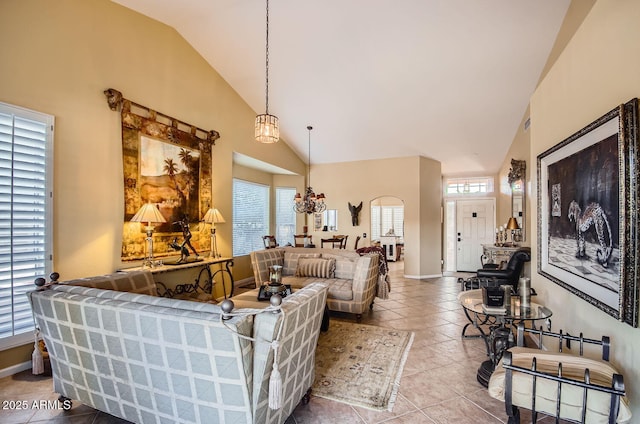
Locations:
column 316, row 267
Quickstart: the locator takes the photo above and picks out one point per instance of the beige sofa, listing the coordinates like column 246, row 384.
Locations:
column 352, row 279
column 148, row 359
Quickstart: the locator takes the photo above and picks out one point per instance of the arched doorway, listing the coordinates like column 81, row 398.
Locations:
column 387, row 225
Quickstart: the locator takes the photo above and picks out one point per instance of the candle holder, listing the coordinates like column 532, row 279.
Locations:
column 275, row 285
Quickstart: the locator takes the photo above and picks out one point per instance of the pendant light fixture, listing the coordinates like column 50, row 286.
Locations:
column 309, row 203
column 267, row 128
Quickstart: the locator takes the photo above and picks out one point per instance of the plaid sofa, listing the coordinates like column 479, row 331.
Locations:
column 149, row 359
column 352, row 288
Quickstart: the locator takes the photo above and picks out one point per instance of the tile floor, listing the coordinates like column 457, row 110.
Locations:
column 438, row 383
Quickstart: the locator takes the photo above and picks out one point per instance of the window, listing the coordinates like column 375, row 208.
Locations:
column 386, row 218
column 26, row 139
column 285, row 215
column 468, row 186
column 250, row 216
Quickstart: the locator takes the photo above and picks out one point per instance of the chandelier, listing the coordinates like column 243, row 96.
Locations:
column 310, row 203
column 267, row 128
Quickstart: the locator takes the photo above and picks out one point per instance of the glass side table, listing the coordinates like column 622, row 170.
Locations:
column 500, row 336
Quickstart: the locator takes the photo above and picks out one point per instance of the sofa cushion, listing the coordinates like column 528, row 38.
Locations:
column 261, row 260
column 291, row 261
column 140, row 298
column 338, row 288
column 133, row 282
column 316, row 267
column 345, row 266
column 573, row 367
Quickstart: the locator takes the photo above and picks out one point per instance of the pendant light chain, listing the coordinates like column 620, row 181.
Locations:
column 310, row 202
column 309, row 128
column 267, row 126
column 267, row 62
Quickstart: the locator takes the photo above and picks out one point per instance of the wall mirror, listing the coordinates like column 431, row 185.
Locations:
column 517, row 182
column 330, row 218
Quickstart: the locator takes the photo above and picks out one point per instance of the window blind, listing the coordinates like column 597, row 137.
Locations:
column 25, row 140
column 250, row 216
column 285, row 215
column 384, row 218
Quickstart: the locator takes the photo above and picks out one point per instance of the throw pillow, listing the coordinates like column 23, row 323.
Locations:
column 316, row 267
column 345, row 266
column 291, row 260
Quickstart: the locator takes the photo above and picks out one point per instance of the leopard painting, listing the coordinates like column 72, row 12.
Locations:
column 593, row 215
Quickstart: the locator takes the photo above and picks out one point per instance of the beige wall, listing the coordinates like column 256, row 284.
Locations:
column 598, row 70
column 519, row 150
column 414, row 180
column 58, row 57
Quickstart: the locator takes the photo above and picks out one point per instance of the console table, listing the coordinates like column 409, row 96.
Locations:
column 203, row 283
column 500, row 337
column 497, row 254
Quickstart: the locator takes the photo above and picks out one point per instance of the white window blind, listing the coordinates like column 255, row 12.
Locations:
column 26, row 138
column 385, row 218
column 285, row 215
column 250, row 216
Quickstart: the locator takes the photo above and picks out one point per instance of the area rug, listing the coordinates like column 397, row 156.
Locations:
column 361, row 365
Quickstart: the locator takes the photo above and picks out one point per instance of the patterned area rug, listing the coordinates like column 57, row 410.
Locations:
column 361, row 365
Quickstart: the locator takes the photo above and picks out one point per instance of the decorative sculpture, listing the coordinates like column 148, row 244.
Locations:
column 186, row 242
column 517, row 171
column 355, row 213
column 114, row 98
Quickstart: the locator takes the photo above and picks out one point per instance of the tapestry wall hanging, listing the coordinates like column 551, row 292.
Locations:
column 588, row 213
column 166, row 162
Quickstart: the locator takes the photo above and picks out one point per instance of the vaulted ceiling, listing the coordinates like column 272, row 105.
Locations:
column 445, row 79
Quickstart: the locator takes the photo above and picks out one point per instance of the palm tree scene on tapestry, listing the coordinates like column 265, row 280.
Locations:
column 584, row 225
column 169, row 177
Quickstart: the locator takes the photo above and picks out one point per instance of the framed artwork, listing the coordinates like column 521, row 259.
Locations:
column 587, row 213
column 317, row 221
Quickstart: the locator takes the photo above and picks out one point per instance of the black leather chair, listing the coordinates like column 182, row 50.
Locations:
column 497, row 277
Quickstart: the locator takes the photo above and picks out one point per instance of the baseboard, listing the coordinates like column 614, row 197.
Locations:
column 420, row 277
column 14, row 369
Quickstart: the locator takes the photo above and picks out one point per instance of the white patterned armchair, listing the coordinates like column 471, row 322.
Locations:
column 149, row 359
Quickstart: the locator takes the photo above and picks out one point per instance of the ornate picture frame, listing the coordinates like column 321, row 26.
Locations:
column 166, row 162
column 588, row 215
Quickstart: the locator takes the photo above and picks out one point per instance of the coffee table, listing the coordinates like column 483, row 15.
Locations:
column 500, row 336
column 249, row 299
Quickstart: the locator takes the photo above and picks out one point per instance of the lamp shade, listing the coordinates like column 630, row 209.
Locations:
column 513, row 224
column 148, row 213
column 267, row 129
column 213, row 216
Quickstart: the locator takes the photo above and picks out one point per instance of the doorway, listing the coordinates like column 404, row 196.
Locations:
column 387, row 225
column 469, row 224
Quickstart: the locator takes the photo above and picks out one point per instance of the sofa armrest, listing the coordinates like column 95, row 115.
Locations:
column 297, row 329
column 261, row 260
column 365, row 278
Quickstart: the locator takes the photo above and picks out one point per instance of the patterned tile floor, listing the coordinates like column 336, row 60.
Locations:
column 438, row 383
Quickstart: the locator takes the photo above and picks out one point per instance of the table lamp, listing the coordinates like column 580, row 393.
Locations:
column 213, row 216
column 150, row 214
column 512, row 225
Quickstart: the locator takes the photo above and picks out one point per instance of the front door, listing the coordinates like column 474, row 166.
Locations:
column 475, row 223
